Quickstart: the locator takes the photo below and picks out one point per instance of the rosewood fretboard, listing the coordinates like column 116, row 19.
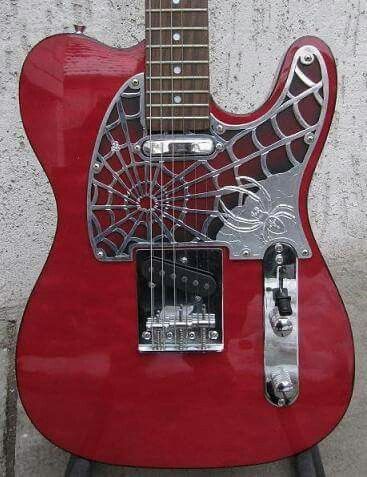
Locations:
column 177, row 65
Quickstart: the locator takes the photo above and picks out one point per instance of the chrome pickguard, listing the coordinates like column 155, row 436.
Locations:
column 244, row 201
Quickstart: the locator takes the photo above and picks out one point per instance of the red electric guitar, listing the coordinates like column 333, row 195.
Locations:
column 185, row 316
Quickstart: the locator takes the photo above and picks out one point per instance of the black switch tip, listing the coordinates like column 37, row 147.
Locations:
column 283, row 302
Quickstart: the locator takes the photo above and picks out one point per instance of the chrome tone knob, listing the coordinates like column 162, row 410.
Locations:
column 79, row 29
column 281, row 381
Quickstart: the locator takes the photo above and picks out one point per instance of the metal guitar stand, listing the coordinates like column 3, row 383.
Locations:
column 307, row 464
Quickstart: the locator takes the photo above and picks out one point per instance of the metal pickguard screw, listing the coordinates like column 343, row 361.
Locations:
column 135, row 83
column 309, row 138
column 219, row 129
column 97, row 166
column 100, row 253
column 307, row 59
column 213, row 335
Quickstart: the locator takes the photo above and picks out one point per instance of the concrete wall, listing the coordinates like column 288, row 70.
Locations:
column 248, row 40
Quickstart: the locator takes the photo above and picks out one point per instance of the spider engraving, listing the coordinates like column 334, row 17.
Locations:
column 255, row 211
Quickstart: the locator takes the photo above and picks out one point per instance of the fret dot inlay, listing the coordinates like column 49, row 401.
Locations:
column 177, row 66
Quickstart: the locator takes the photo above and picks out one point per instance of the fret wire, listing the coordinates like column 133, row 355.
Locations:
column 186, row 91
column 176, row 117
column 157, row 10
column 177, row 28
column 178, row 78
column 179, row 105
column 178, row 46
column 183, row 62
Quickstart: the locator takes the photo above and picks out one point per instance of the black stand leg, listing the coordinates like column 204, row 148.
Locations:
column 78, row 467
column 309, row 464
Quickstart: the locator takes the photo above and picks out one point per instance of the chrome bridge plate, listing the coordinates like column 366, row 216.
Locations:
column 180, row 300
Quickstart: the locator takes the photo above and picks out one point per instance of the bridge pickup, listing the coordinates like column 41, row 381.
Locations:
column 174, row 274
column 179, row 146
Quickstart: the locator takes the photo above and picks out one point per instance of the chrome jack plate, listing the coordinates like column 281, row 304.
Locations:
column 281, row 325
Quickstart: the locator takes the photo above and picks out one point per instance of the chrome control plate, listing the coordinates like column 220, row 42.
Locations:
column 281, row 330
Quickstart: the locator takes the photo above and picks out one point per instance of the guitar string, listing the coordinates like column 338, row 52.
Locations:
column 150, row 169
column 172, row 109
column 207, row 205
column 184, row 158
column 163, row 310
column 196, row 303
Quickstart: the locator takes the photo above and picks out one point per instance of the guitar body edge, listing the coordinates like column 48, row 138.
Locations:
column 80, row 376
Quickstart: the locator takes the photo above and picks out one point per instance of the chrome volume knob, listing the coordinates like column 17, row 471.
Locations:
column 282, row 325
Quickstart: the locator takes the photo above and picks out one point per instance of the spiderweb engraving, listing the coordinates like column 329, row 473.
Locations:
column 235, row 196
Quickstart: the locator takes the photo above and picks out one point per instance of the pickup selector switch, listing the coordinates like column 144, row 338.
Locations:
column 281, row 295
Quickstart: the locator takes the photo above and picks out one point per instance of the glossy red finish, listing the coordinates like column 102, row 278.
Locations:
column 81, row 379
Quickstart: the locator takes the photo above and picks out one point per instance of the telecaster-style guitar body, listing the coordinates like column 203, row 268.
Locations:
column 185, row 317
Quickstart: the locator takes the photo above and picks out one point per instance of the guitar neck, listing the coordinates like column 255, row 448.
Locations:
column 177, row 65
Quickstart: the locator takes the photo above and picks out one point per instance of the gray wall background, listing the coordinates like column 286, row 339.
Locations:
column 248, row 39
